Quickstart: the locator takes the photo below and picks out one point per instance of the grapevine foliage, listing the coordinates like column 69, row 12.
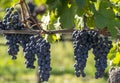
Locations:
column 114, row 54
column 102, row 16
column 100, row 13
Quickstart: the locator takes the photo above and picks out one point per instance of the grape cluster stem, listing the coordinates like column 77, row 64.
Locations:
column 22, row 3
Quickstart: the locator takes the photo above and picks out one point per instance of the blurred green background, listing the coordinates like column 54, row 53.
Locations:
column 62, row 61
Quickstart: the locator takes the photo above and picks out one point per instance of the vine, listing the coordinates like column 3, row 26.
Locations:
column 24, row 14
column 90, row 21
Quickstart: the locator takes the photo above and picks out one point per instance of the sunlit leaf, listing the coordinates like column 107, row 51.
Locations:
column 51, row 38
column 116, row 60
column 115, row 1
column 90, row 22
column 38, row 2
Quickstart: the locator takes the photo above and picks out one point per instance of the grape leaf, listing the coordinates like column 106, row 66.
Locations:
column 66, row 19
column 82, row 6
column 38, row 2
column 67, row 15
column 115, row 1
column 7, row 3
column 105, row 17
column 82, row 3
column 97, row 4
column 51, row 38
column 53, row 4
column 90, row 22
column 116, row 60
column 93, row 0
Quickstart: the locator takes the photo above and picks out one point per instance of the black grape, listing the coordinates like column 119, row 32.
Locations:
column 29, row 54
column 32, row 44
column 85, row 40
column 100, row 50
column 38, row 46
column 80, row 51
column 10, row 22
column 43, row 54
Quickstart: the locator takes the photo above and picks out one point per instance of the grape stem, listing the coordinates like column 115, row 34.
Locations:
column 23, row 12
column 31, row 16
column 84, row 20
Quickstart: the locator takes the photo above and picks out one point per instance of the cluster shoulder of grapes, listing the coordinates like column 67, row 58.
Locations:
column 83, row 41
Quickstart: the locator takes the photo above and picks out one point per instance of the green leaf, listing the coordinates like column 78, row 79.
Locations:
column 67, row 15
column 90, row 22
column 111, row 56
column 82, row 3
column 54, row 4
column 105, row 17
column 97, row 4
column 51, row 38
column 112, row 52
column 93, row 0
column 82, row 6
column 5, row 3
column 116, row 60
column 38, row 2
column 66, row 19
column 115, row 1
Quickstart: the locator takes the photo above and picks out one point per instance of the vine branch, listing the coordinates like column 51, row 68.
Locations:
column 63, row 31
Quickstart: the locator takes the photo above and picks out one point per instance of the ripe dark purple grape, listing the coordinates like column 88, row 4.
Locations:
column 100, row 50
column 85, row 40
column 43, row 54
column 8, row 24
column 32, row 44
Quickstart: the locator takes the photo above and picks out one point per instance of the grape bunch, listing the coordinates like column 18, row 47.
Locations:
column 29, row 54
column 85, row 40
column 41, row 48
column 43, row 54
column 34, row 46
column 100, row 50
column 11, row 22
